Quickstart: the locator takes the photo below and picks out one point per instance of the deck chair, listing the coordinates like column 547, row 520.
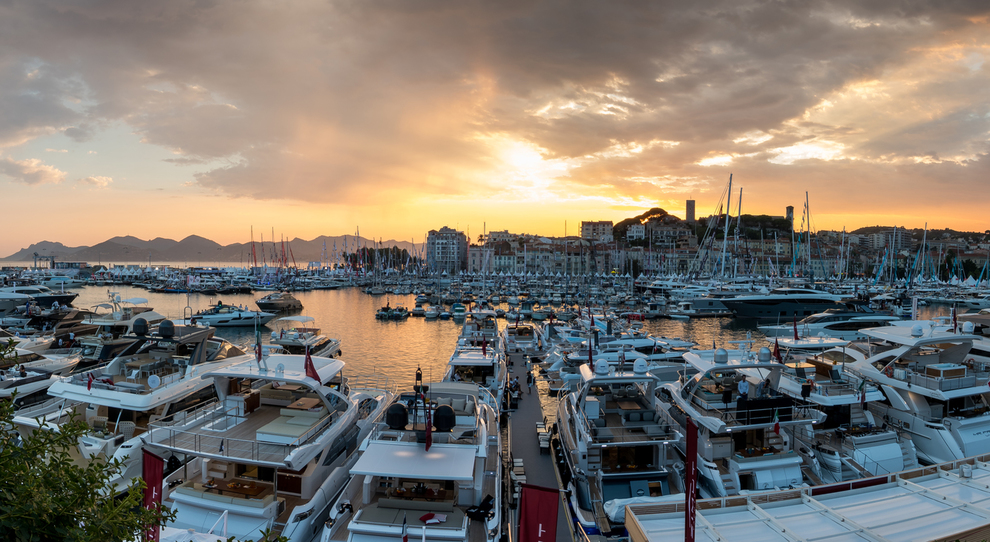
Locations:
column 126, row 429
column 133, row 377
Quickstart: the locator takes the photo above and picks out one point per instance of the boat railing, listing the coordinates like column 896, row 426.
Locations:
column 946, row 384
column 374, row 381
column 213, row 416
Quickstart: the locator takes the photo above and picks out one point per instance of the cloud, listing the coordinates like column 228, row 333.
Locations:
column 56, row 150
column 96, row 181
column 350, row 101
column 30, row 171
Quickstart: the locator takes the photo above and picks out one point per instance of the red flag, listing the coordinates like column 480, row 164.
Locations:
column 538, row 513
column 89, row 382
column 429, row 423
column 795, row 329
column 484, row 345
column 776, row 351
column 153, row 469
column 310, row 368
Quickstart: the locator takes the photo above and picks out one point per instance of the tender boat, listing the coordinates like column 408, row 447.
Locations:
column 278, row 302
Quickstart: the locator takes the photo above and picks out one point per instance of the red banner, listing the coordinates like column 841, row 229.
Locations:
column 153, row 470
column 691, row 478
column 538, row 513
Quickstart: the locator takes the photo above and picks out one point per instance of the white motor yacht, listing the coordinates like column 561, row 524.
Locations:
column 221, row 315
column 449, row 489
column 836, row 323
column 618, row 445
column 519, row 337
column 273, row 449
column 157, row 374
column 26, row 375
column 935, row 384
column 298, row 338
column 849, row 444
column 741, row 447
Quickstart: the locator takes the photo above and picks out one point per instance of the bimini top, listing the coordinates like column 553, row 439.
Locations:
column 411, row 460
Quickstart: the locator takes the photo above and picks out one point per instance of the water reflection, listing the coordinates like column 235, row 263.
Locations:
column 397, row 348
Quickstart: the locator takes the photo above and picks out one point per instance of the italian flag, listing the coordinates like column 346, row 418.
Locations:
column 776, row 422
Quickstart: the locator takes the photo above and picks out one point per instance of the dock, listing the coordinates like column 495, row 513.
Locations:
column 525, row 424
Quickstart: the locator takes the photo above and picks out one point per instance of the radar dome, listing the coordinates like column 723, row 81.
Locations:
column 396, row 417
column 166, row 329
column 444, row 418
column 639, row 366
column 601, row 367
column 764, row 355
column 721, row 356
column 917, row 330
column 968, row 327
column 140, row 327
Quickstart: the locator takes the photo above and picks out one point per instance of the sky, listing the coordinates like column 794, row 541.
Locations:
column 392, row 118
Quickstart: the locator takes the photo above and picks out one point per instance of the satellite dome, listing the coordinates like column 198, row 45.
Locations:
column 601, row 367
column 721, row 356
column 764, row 355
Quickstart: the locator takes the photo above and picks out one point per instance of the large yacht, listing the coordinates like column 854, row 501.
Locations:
column 519, row 337
column 783, row 303
column 936, row 387
column 26, row 375
column 159, row 373
column 114, row 327
column 273, row 449
column 43, row 295
column 741, row 447
column 442, row 482
column 849, row 444
column 618, row 445
column 301, row 336
column 838, row 323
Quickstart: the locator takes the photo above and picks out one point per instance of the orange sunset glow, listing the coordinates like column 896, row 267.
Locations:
column 395, row 118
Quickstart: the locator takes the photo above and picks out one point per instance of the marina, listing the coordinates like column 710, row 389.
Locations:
column 602, row 427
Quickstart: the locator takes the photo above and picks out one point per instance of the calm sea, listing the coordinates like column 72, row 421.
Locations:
column 395, row 348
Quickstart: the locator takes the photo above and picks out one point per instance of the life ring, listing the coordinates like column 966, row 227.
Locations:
column 889, row 371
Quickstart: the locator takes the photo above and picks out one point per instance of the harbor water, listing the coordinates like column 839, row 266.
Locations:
column 395, row 348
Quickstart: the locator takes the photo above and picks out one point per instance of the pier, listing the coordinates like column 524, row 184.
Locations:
column 525, row 448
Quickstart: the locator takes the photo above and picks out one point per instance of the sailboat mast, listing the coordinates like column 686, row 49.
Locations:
column 725, row 232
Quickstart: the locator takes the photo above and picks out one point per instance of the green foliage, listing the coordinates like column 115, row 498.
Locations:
column 46, row 496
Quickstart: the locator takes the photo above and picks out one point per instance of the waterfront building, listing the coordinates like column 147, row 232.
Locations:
column 446, row 250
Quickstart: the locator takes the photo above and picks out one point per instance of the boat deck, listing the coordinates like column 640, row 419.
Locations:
column 237, row 437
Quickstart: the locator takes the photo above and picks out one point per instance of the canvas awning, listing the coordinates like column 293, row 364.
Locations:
column 411, row 460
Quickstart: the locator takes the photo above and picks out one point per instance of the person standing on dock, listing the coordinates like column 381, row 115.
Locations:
column 529, row 382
